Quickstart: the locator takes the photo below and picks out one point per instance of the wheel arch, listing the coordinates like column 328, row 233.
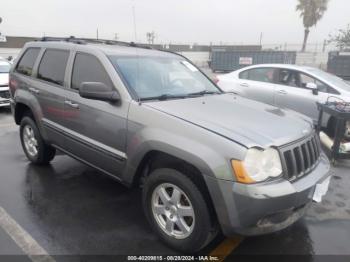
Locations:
column 155, row 159
column 20, row 111
column 22, row 108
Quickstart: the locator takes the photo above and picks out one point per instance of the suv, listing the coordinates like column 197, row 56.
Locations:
column 206, row 161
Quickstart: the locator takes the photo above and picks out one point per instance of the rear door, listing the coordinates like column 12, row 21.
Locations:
column 40, row 75
column 95, row 130
column 50, row 88
column 293, row 94
column 258, row 84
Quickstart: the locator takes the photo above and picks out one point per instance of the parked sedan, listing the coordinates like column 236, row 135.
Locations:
column 288, row 86
column 4, row 83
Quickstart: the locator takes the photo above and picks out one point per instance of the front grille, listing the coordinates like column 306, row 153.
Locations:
column 300, row 158
column 5, row 94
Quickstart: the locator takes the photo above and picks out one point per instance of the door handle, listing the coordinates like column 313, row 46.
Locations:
column 71, row 104
column 34, row 90
column 283, row 92
column 244, row 85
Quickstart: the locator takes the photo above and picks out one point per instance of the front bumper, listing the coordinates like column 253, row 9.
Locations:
column 265, row 207
column 4, row 97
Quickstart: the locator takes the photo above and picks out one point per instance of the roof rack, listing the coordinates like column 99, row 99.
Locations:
column 70, row 39
column 75, row 40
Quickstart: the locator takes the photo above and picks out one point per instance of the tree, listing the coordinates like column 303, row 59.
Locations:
column 341, row 39
column 311, row 11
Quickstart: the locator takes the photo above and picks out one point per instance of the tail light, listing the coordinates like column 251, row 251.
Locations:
column 216, row 79
column 13, row 85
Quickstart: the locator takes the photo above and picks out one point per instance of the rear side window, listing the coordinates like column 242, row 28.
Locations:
column 26, row 64
column 52, row 67
column 88, row 68
column 259, row 74
column 244, row 75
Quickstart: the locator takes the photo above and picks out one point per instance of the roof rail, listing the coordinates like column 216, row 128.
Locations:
column 75, row 40
column 115, row 42
column 70, row 39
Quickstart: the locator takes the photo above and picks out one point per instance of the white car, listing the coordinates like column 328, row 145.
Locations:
column 288, row 86
column 4, row 83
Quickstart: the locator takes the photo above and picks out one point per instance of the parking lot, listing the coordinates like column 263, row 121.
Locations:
column 68, row 208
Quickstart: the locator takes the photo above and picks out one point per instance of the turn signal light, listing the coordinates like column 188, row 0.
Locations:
column 240, row 172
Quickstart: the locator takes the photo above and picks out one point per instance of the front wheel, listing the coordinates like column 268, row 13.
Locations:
column 177, row 211
column 35, row 148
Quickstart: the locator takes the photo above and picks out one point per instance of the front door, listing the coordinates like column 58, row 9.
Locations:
column 292, row 93
column 96, row 130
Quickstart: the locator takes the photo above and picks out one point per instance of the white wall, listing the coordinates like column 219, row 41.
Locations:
column 313, row 59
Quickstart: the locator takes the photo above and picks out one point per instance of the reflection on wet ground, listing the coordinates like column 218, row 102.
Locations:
column 70, row 208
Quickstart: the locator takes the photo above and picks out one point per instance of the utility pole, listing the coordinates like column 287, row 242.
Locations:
column 324, row 46
column 0, row 23
column 261, row 37
column 134, row 19
column 97, row 33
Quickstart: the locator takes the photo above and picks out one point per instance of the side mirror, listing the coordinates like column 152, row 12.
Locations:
column 98, row 91
column 313, row 87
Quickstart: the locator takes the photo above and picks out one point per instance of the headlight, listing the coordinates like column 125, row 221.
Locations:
column 258, row 166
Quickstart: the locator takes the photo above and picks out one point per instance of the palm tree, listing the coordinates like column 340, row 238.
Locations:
column 311, row 11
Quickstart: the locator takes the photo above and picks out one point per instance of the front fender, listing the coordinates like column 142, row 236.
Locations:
column 205, row 158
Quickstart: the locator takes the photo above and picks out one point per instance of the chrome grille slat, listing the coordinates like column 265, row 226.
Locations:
column 302, row 166
column 294, row 163
column 307, row 156
column 300, row 158
column 314, row 142
column 312, row 153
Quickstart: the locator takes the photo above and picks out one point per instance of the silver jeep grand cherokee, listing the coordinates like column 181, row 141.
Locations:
column 207, row 161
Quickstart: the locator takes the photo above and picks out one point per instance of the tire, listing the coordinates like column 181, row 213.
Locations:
column 43, row 153
column 200, row 233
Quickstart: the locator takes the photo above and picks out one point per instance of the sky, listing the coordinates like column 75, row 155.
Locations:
column 177, row 21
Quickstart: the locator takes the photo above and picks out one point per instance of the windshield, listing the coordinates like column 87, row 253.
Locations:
column 163, row 77
column 336, row 81
column 5, row 68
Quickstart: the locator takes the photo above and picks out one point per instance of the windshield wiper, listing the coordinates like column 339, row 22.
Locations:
column 203, row 92
column 163, row 97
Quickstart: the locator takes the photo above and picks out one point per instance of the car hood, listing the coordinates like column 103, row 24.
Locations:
column 4, row 78
column 244, row 121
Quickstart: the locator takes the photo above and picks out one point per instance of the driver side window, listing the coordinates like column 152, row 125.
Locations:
column 87, row 68
column 288, row 77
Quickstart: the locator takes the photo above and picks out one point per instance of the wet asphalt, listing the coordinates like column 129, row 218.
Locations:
column 71, row 209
